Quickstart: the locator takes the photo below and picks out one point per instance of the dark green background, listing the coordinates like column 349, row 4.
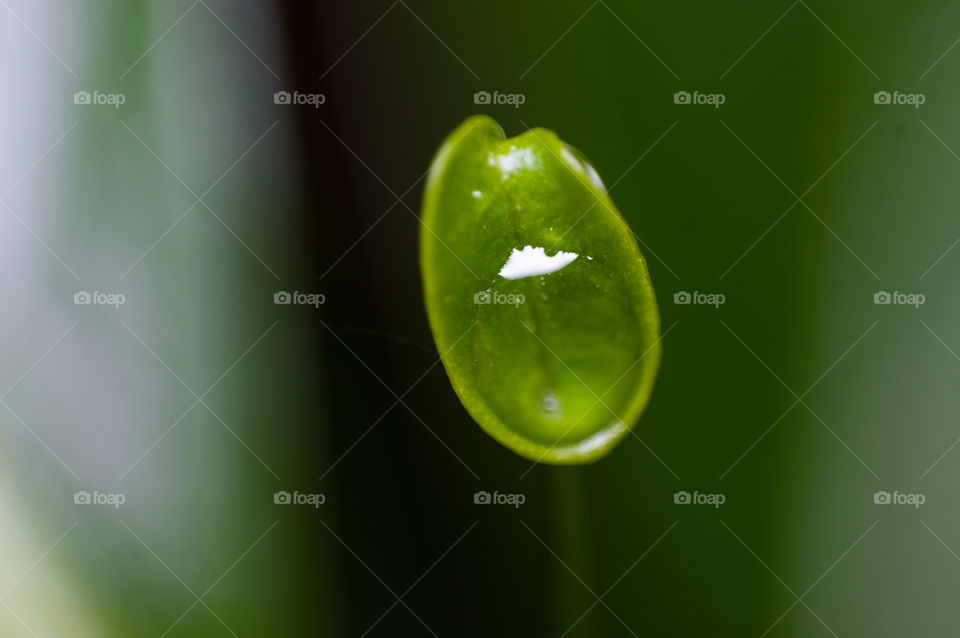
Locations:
column 312, row 207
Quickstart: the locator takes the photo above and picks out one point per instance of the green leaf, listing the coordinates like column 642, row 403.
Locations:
column 537, row 294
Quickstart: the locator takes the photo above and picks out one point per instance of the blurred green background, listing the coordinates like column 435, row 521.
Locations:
column 199, row 399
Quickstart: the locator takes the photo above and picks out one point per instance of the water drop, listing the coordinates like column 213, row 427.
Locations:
column 580, row 163
column 550, row 404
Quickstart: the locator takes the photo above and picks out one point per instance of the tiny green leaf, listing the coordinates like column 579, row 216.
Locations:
column 538, row 297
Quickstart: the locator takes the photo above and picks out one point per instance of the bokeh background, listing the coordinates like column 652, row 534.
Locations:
column 198, row 398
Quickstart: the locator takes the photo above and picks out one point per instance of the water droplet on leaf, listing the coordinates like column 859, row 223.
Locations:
column 588, row 332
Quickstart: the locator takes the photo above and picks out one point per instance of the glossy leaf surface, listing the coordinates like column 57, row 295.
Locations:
column 537, row 294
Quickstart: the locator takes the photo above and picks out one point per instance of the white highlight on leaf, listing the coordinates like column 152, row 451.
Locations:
column 534, row 261
column 515, row 159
